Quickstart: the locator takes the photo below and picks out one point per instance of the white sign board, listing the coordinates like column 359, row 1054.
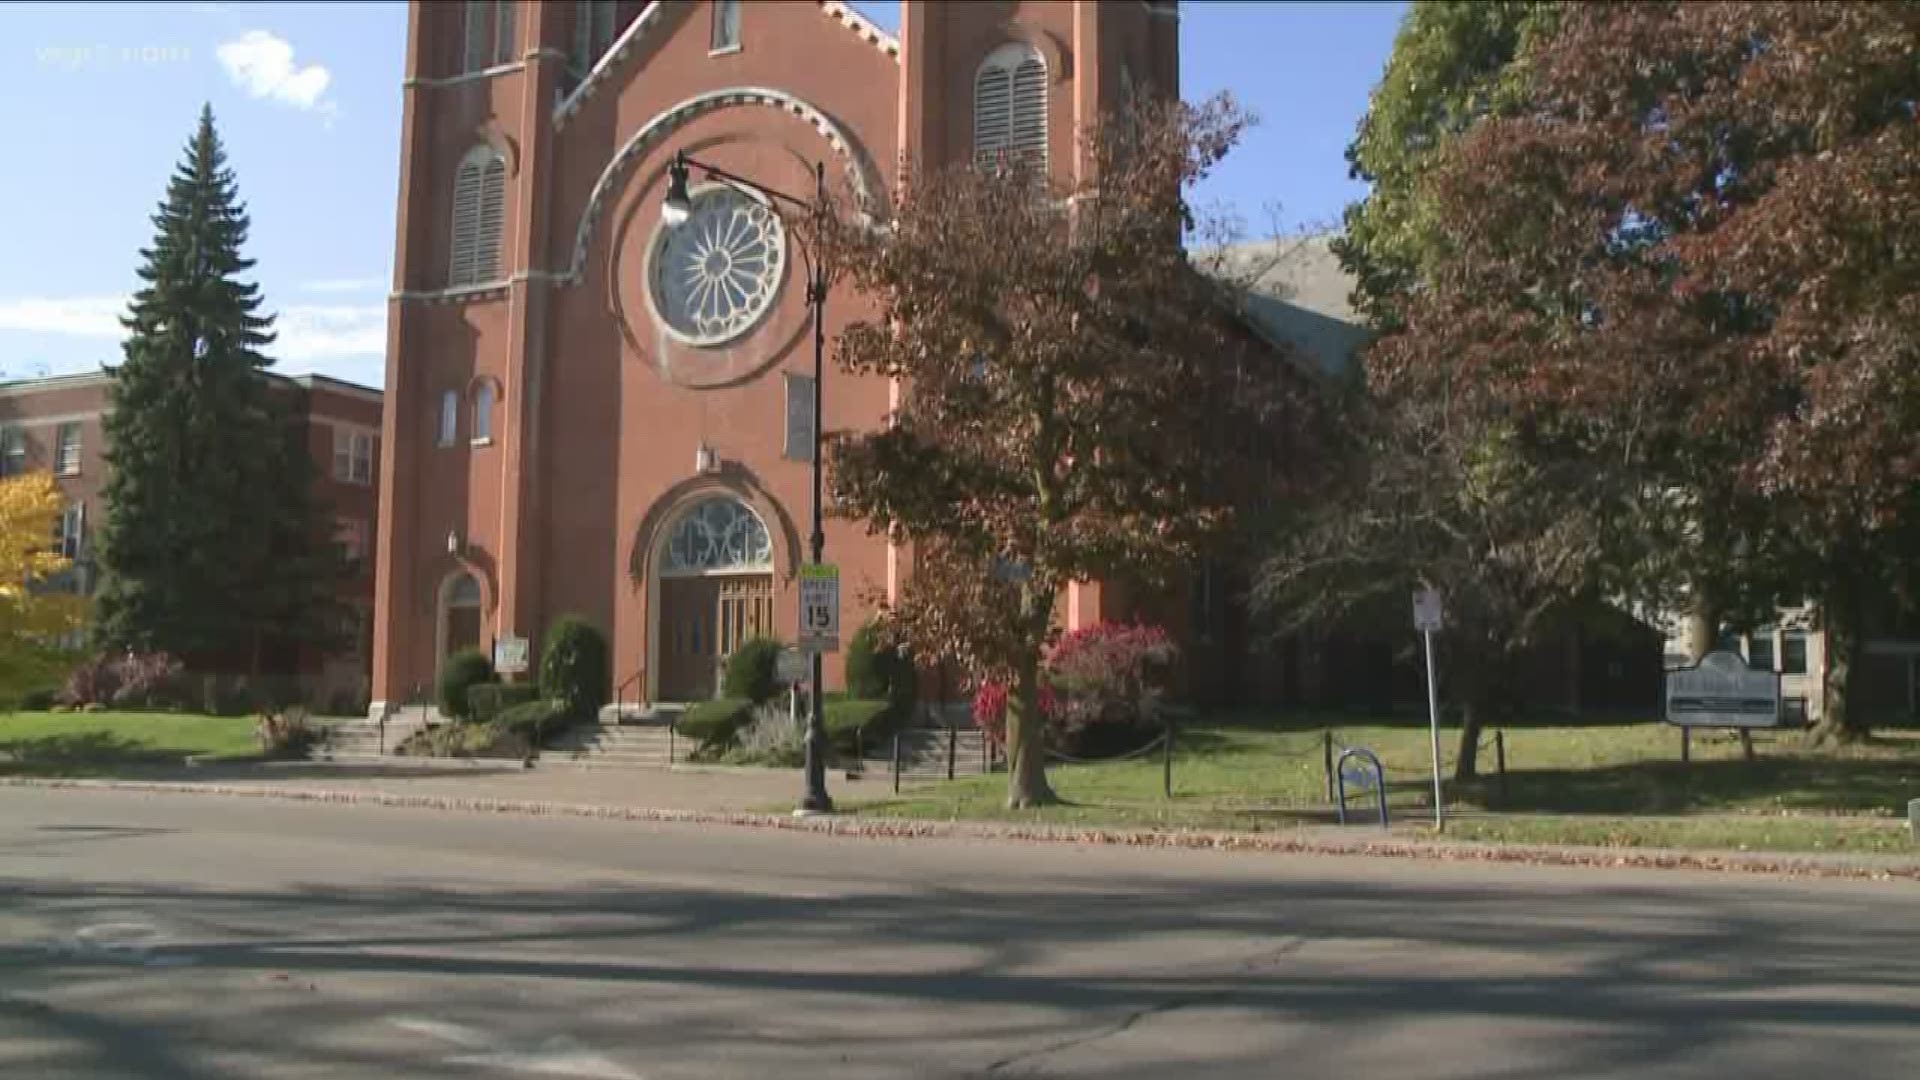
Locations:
column 819, row 609
column 510, row 655
column 1427, row 615
column 1722, row 691
column 791, row 667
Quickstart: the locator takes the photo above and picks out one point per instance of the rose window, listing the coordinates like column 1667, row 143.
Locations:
column 712, row 277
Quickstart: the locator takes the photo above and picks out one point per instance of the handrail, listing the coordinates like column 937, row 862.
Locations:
column 619, row 693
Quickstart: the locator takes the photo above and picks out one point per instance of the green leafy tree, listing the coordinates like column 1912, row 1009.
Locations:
column 1082, row 402
column 1454, row 62
column 211, row 547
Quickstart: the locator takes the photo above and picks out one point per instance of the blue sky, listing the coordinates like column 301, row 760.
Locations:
column 101, row 99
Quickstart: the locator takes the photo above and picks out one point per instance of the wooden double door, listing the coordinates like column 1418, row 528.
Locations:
column 702, row 621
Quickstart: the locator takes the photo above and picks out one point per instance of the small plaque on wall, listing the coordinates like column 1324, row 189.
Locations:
column 800, row 419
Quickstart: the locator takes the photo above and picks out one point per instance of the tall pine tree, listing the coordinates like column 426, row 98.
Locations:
column 211, row 548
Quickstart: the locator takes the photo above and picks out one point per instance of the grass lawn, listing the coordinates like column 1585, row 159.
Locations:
column 1608, row 783
column 97, row 744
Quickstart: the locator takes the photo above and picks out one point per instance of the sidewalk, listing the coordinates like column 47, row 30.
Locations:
column 763, row 798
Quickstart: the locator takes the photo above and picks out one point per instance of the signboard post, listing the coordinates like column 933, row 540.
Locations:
column 819, row 608
column 510, row 655
column 1429, row 616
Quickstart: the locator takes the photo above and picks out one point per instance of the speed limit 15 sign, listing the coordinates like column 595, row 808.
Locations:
column 819, row 609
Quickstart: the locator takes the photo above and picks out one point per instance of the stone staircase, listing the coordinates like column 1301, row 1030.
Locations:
column 362, row 738
column 632, row 744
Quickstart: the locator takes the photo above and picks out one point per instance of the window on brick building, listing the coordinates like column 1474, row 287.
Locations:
column 351, row 535
column 70, row 531
column 66, row 453
column 593, row 26
column 483, row 414
column 489, row 37
column 13, row 451
column 353, row 456
column 726, row 25
column 479, row 214
column 1010, row 106
column 449, row 419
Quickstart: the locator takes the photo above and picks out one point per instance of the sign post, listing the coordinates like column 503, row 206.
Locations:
column 1428, row 616
column 819, row 608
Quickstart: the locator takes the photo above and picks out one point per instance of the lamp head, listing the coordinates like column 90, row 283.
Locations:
column 678, row 204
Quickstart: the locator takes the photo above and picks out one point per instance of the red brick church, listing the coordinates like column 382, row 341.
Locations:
column 589, row 412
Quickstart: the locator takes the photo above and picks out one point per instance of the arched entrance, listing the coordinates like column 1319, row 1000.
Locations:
column 716, row 591
column 459, row 614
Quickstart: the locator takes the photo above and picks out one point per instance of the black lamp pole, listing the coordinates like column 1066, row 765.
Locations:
column 678, row 203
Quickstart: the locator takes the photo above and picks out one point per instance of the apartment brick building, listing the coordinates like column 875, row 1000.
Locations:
column 589, row 412
column 54, row 424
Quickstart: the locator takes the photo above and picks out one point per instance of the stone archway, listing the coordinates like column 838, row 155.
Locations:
column 711, row 588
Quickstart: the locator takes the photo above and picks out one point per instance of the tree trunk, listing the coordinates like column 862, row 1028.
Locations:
column 1026, row 742
column 1839, row 724
column 1697, row 631
column 1476, row 701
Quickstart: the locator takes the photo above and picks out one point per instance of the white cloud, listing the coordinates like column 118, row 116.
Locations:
column 262, row 65
column 308, row 333
column 345, row 285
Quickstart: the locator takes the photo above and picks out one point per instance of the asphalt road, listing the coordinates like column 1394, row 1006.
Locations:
column 191, row 936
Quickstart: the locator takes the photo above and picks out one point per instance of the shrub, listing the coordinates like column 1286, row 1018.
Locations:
column 94, row 707
column 533, row 720
column 716, row 724
column 857, row 724
column 487, row 700
column 39, row 700
column 286, row 734
column 876, row 672
column 1109, row 679
column 494, row 740
column 770, row 739
column 146, row 681
column 573, row 667
column 463, row 670
column 753, row 670
column 91, row 680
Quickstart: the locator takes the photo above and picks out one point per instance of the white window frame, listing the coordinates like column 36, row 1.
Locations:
column 484, row 400
column 13, row 450
column 449, row 430
column 70, row 531
column 65, row 448
column 723, row 36
column 1011, row 97
column 479, row 218
column 354, row 451
column 489, row 34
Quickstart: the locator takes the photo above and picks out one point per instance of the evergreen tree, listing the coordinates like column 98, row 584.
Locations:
column 210, row 548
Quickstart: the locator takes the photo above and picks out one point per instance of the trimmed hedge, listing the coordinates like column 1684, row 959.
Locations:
column 487, row 700
column 854, row 724
column 717, row 723
column 753, row 670
column 534, row 720
column 574, row 670
column 463, row 670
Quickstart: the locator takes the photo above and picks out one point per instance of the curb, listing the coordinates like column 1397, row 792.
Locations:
column 904, row 829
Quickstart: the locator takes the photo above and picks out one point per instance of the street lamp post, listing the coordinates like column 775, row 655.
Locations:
column 675, row 211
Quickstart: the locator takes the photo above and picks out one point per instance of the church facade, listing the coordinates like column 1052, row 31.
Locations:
column 590, row 411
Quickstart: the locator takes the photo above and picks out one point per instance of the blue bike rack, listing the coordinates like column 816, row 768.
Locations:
column 1367, row 758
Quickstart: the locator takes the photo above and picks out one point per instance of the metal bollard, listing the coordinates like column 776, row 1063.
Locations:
column 1913, row 819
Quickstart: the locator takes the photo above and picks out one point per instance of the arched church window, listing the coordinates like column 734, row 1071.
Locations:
column 1010, row 106
column 479, row 213
column 719, row 535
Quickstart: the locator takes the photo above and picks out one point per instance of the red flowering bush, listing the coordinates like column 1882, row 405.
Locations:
column 1100, row 689
column 990, row 710
column 1110, row 678
column 125, row 681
